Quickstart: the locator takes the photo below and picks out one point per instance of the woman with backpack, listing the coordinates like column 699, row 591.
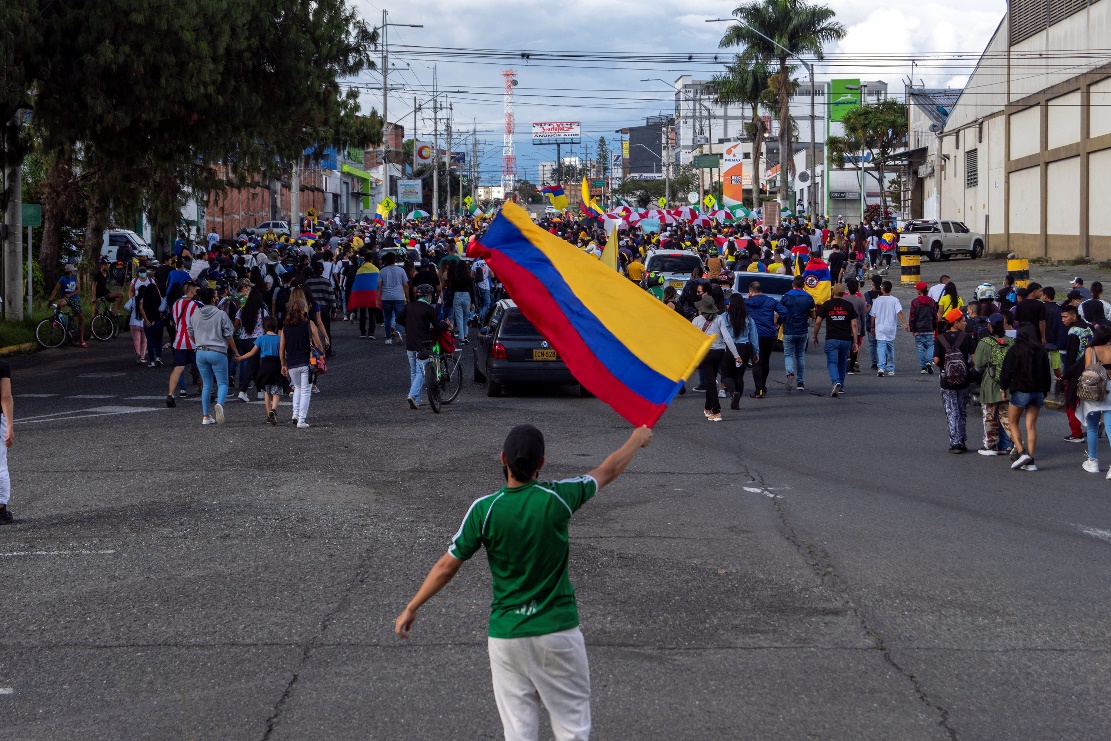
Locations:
column 988, row 359
column 1026, row 376
column 953, row 351
column 1090, row 386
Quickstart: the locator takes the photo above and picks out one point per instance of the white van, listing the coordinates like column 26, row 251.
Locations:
column 115, row 238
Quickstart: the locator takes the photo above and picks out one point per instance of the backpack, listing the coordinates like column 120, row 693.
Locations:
column 954, row 366
column 1092, row 383
column 980, row 327
column 281, row 299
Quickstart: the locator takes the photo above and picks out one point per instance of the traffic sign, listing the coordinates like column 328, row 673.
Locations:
column 32, row 215
column 706, row 161
column 692, row 198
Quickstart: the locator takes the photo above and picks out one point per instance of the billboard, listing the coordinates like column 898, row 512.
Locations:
column 732, row 175
column 556, row 132
column 842, row 99
column 424, row 153
column 625, row 148
column 409, row 191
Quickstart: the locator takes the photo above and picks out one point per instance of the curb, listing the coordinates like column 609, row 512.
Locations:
column 15, row 349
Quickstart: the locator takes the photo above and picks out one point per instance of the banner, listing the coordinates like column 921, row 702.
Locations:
column 842, row 99
column 732, row 175
column 424, row 153
column 625, row 148
column 409, row 191
column 556, row 132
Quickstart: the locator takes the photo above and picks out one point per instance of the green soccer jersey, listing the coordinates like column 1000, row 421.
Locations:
column 524, row 531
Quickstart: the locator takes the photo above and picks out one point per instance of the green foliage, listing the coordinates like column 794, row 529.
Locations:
column 878, row 129
column 747, row 82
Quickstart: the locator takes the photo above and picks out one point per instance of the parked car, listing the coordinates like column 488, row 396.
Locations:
column 276, row 227
column 510, row 351
column 674, row 266
column 940, row 240
column 116, row 238
column 770, row 284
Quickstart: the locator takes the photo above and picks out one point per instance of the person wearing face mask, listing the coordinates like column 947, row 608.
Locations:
column 136, row 324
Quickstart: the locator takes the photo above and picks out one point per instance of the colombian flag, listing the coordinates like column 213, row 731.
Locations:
column 624, row 346
column 589, row 205
column 817, row 280
column 556, row 196
column 364, row 289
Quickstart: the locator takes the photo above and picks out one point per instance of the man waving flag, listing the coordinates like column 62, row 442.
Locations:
column 622, row 345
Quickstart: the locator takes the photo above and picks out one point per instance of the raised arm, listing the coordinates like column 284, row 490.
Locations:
column 619, row 460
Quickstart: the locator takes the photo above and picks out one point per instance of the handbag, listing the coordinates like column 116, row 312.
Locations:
column 317, row 361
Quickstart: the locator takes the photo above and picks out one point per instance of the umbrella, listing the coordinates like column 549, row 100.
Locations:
column 417, row 214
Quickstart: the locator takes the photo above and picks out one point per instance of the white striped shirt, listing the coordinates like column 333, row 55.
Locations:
column 182, row 309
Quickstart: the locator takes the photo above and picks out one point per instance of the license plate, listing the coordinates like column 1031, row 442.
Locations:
column 544, row 355
column 677, row 284
column 902, row 249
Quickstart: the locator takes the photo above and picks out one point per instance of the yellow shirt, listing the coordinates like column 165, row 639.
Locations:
column 635, row 271
column 356, row 242
column 777, row 268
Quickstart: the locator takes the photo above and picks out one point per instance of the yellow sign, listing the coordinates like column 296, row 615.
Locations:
column 709, row 202
column 468, row 200
column 625, row 148
column 311, row 213
column 386, row 205
column 662, row 202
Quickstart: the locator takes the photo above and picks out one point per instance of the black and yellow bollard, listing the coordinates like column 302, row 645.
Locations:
column 912, row 269
column 1020, row 271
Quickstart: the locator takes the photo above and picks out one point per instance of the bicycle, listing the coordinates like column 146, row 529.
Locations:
column 53, row 331
column 104, row 324
column 443, row 376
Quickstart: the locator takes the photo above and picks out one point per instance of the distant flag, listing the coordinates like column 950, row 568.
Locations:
column 627, row 348
column 472, row 207
column 816, row 280
column 490, row 212
column 556, row 195
column 739, row 211
column 364, row 289
column 590, row 205
column 609, row 254
column 622, row 202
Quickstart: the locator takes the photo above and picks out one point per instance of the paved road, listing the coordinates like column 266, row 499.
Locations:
column 811, row 567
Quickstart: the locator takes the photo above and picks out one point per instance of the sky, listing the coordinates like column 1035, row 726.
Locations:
column 944, row 37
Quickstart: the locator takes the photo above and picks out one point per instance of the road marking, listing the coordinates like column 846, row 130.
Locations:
column 92, row 396
column 144, row 398
column 1095, row 532
column 15, row 554
column 765, row 492
column 7, row 690
column 101, row 375
column 107, row 411
column 35, row 396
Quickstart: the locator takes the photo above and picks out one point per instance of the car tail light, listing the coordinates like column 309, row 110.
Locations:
column 497, row 352
column 920, row 241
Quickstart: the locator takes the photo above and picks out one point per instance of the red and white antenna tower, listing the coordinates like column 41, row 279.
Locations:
column 508, row 158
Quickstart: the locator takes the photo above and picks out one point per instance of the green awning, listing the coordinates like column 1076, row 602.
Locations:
column 364, row 176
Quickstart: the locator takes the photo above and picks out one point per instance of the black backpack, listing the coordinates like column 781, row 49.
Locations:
column 281, row 299
column 954, row 366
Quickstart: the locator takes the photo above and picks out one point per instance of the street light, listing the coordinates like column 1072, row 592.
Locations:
column 810, row 70
column 386, row 96
column 709, row 118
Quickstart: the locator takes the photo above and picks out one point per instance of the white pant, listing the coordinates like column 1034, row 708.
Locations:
column 5, row 479
column 302, row 392
column 551, row 669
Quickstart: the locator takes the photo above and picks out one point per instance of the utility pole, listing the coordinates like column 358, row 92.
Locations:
column 664, row 162
column 415, row 109
column 435, row 150
column 13, row 251
column 385, row 107
column 295, row 199
column 474, row 155
column 447, row 172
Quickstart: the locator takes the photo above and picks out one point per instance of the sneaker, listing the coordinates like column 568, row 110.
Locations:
column 371, row 337
column 1109, row 474
column 757, row 395
column 1029, row 466
column 683, row 389
column 183, row 394
column 879, row 374
column 315, row 389
column 890, row 373
column 218, row 412
column 836, row 390
column 272, row 418
column 1013, row 453
column 800, row 387
column 988, row 451
column 157, row 361
column 208, row 421
column 83, row 344
column 923, row 371
column 855, row 368
column 389, row 341
column 1021, row 461
column 150, row 364
column 700, row 388
column 714, row 417
column 5, row 514
column 875, row 367
column 735, row 401
column 412, row 402
column 706, row 413
column 362, row 336
column 1091, row 466
column 955, row 449
column 929, row 370
column 722, row 394
column 171, row 402
column 1074, row 439
column 138, row 360
column 850, row 372
column 302, row 425
column 243, row 396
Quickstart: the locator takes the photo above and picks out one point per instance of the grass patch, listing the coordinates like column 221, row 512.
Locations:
column 18, row 333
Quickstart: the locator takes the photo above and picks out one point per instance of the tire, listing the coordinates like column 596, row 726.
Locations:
column 432, row 388
column 935, row 252
column 453, row 380
column 977, row 250
column 102, row 327
column 492, row 389
column 50, row 333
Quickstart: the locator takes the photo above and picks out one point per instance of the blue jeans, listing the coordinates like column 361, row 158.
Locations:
column 461, row 313
column 794, row 355
column 924, row 344
column 390, row 310
column 886, row 357
column 483, row 295
column 214, row 369
column 872, row 350
column 1092, row 420
column 416, row 375
column 837, row 360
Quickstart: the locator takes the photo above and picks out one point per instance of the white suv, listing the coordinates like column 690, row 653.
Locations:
column 116, row 238
column 674, row 266
column 939, row 240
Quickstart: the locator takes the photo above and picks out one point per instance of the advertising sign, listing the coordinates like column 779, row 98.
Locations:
column 706, row 161
column 424, row 153
column 556, row 132
column 409, row 191
column 842, row 99
column 625, row 148
column 732, row 175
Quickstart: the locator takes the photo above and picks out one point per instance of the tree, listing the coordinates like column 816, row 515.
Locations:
column 603, row 157
column 745, row 82
column 798, row 28
column 877, row 130
column 527, row 192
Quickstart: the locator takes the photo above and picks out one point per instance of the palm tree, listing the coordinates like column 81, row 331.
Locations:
column 795, row 27
column 745, row 82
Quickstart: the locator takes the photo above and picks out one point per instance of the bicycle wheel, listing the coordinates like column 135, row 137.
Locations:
column 432, row 386
column 103, row 327
column 50, row 333
column 452, row 379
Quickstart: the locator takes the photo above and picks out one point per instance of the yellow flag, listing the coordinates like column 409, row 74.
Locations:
column 609, row 254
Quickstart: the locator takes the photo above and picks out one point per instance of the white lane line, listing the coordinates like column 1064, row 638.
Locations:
column 1095, row 532
column 15, row 554
column 92, row 396
column 35, row 396
column 83, row 413
column 144, row 398
column 101, row 375
column 7, row 690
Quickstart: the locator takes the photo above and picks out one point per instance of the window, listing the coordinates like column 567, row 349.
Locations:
column 946, row 227
column 971, row 168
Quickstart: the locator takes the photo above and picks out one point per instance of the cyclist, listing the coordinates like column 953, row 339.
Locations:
column 101, row 291
column 71, row 292
column 420, row 320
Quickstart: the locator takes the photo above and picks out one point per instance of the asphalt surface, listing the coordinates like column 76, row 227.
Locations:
column 809, row 568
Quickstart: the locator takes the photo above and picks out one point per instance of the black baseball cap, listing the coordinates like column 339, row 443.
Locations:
column 524, row 448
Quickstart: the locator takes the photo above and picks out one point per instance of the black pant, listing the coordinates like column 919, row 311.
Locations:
column 709, row 368
column 250, row 366
column 733, row 375
column 366, row 316
column 761, row 378
column 326, row 320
